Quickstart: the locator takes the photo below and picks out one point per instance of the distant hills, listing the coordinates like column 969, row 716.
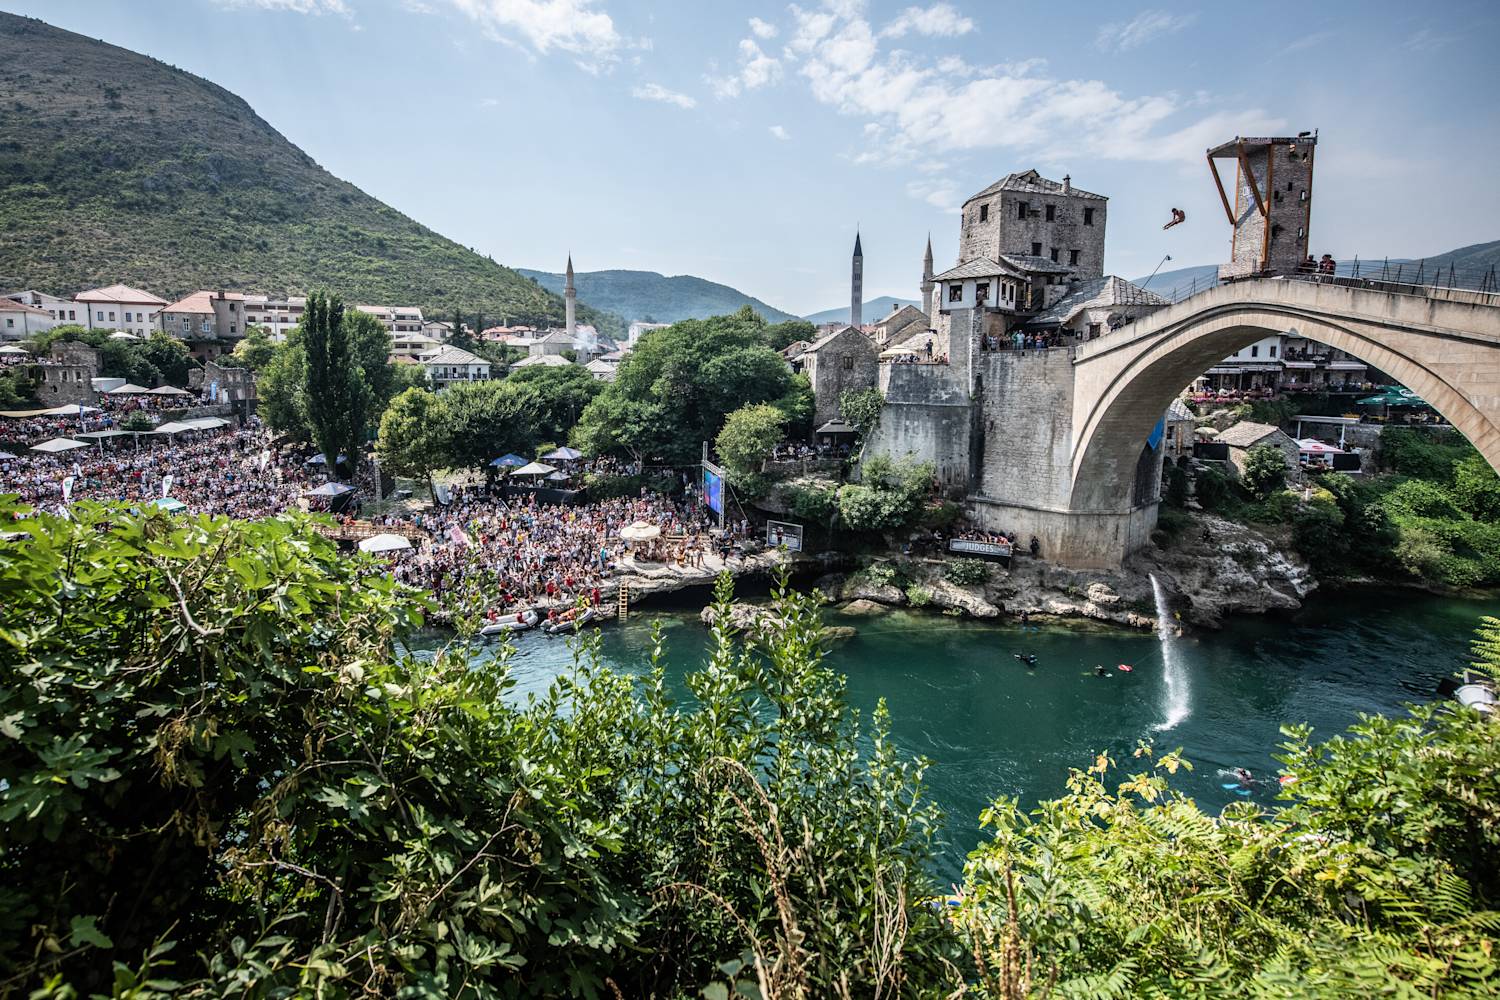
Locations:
column 873, row 310
column 655, row 298
column 1469, row 263
column 117, row 167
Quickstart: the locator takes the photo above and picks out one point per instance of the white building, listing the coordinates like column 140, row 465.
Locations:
column 452, row 365
column 639, row 328
column 62, row 310
column 120, row 307
column 19, row 321
column 396, row 319
column 553, row 343
column 413, row 346
column 279, row 316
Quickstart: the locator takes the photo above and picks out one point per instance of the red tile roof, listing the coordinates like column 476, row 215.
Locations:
column 119, row 293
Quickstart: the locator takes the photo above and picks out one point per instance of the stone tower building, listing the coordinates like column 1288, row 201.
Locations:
column 927, row 283
column 1027, row 215
column 570, row 303
column 857, row 286
column 1272, row 203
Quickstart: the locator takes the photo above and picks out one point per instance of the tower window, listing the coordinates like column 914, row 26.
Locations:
column 1051, row 213
column 984, row 213
column 1036, row 249
column 1073, row 257
column 1273, row 350
column 1021, row 209
column 1054, row 255
column 982, row 291
column 1255, row 350
column 955, row 293
column 848, row 362
column 1088, row 216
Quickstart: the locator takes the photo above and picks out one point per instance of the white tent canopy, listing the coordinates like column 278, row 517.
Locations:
column 534, row 469
column 330, row 490
column 128, row 389
column 58, row 444
column 96, row 435
column 66, row 410
column 385, row 543
column 899, row 352
column 172, row 427
column 206, row 423
column 168, row 390
column 13, row 349
column 640, row 531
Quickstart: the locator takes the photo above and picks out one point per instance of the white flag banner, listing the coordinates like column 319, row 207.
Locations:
column 166, row 485
column 265, row 458
column 68, row 490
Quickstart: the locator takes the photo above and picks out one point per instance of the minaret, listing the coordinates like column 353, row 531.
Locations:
column 857, row 291
column 927, row 283
column 570, row 301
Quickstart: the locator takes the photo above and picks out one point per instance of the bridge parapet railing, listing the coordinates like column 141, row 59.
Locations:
column 1433, row 280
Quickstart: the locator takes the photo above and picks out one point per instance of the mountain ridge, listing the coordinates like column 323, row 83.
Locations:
column 650, row 296
column 872, row 310
column 159, row 178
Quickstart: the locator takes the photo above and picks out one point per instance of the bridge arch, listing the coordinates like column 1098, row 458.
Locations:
column 1447, row 352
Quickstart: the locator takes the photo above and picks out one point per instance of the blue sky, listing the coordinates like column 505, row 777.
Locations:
column 743, row 141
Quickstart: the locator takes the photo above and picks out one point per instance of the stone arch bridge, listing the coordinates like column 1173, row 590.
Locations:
column 1078, row 491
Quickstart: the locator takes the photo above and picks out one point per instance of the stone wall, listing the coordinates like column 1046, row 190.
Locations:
column 846, row 361
column 927, row 415
column 1004, row 231
column 1079, row 541
column 1025, row 433
column 1283, row 176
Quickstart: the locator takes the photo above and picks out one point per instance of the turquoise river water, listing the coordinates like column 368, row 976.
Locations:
column 991, row 726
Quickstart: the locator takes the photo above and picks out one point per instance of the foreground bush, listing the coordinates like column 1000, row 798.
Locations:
column 219, row 774
column 1378, row 877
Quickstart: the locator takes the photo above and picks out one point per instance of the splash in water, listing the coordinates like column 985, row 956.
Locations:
column 1175, row 692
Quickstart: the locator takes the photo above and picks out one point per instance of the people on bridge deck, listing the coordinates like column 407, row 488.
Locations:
column 1308, row 266
column 1327, row 265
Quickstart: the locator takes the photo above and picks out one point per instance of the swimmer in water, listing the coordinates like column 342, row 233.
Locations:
column 1246, row 778
column 1027, row 658
column 1099, row 670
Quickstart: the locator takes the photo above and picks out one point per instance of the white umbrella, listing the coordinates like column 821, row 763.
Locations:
column 534, row 469
column 897, row 352
column 640, row 531
column 206, row 423
column 330, row 490
column 59, row 444
column 5, row 455
column 168, row 390
column 564, row 455
column 172, row 427
column 385, row 543
column 13, row 349
column 96, row 435
column 128, row 389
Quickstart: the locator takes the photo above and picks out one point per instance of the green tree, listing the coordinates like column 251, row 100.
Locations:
column 480, row 421
column 861, row 408
column 889, row 495
column 412, row 442
column 280, row 389
column 749, row 435
column 560, row 397
column 221, row 759
column 1265, row 470
column 675, row 389
column 780, row 336
column 1476, row 488
column 169, row 356
column 334, row 396
column 255, row 351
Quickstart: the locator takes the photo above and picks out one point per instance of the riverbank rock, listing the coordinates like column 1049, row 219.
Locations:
column 837, row 633
column 859, row 588
column 947, row 594
column 742, row 617
column 1234, row 570
column 863, row 609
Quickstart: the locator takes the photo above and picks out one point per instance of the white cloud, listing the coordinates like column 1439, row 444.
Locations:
column 489, row 102
column 756, row 70
column 656, row 92
column 941, row 20
column 1123, row 36
column 939, row 192
column 762, row 29
column 780, row 132
column 1427, row 40
column 295, row 6
column 935, row 109
column 579, row 27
